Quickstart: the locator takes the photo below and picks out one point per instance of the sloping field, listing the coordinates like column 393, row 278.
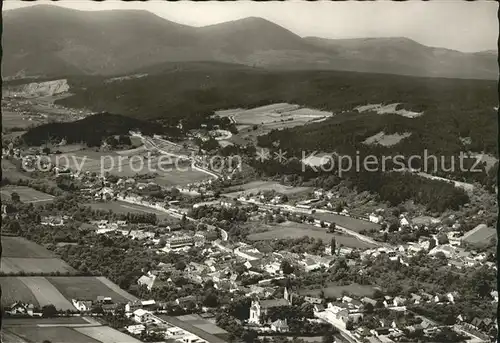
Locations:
column 384, row 139
column 480, row 235
column 26, row 194
column 21, row 255
column 57, row 334
column 349, row 223
column 45, row 293
column 125, row 207
column 34, row 265
column 21, row 247
column 106, row 334
column 86, row 287
column 181, row 176
column 13, row 289
column 297, row 230
column 115, row 288
column 388, row 109
column 203, row 324
column 193, row 329
column 257, row 186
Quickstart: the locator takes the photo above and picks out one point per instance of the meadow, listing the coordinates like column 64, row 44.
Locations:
column 22, row 255
column 57, row 334
column 350, row 223
column 26, row 194
column 125, row 207
column 291, row 230
column 106, row 334
column 86, row 287
column 259, row 186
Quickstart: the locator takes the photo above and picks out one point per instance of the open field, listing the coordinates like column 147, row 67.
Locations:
column 291, row 230
column 18, row 120
column 13, row 289
column 272, row 114
column 34, row 265
column 388, row 109
column 203, row 324
column 26, row 194
column 46, row 293
column 86, row 287
column 480, row 235
column 186, row 325
column 59, row 321
column 385, row 139
column 8, row 337
column 57, row 334
column 335, row 291
column 129, row 163
column 349, row 223
column 106, row 334
column 181, row 176
column 21, row 247
column 21, row 255
column 258, row 186
column 125, row 207
column 115, row 288
column 254, row 122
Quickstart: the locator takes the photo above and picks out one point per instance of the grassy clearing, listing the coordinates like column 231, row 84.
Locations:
column 84, row 287
column 181, row 177
column 125, row 207
column 258, row 186
column 290, row 230
column 26, row 194
column 57, row 334
column 13, row 289
column 349, row 223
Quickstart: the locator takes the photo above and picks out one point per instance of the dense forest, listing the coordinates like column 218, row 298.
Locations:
column 91, row 130
column 452, row 108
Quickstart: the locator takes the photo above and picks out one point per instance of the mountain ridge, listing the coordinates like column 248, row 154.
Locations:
column 48, row 40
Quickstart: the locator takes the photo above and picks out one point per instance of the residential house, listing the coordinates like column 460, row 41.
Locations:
column 399, row 301
column 366, row 300
column 135, row 329
column 82, row 305
column 143, row 316
column 415, row 298
column 313, row 300
column 19, row 309
column 453, row 296
column 147, row 280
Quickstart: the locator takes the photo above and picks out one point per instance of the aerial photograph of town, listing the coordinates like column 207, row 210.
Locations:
column 249, row 172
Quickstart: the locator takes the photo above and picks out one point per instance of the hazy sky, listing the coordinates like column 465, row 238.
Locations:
column 453, row 24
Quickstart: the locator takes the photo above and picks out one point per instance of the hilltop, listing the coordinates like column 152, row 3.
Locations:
column 45, row 40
